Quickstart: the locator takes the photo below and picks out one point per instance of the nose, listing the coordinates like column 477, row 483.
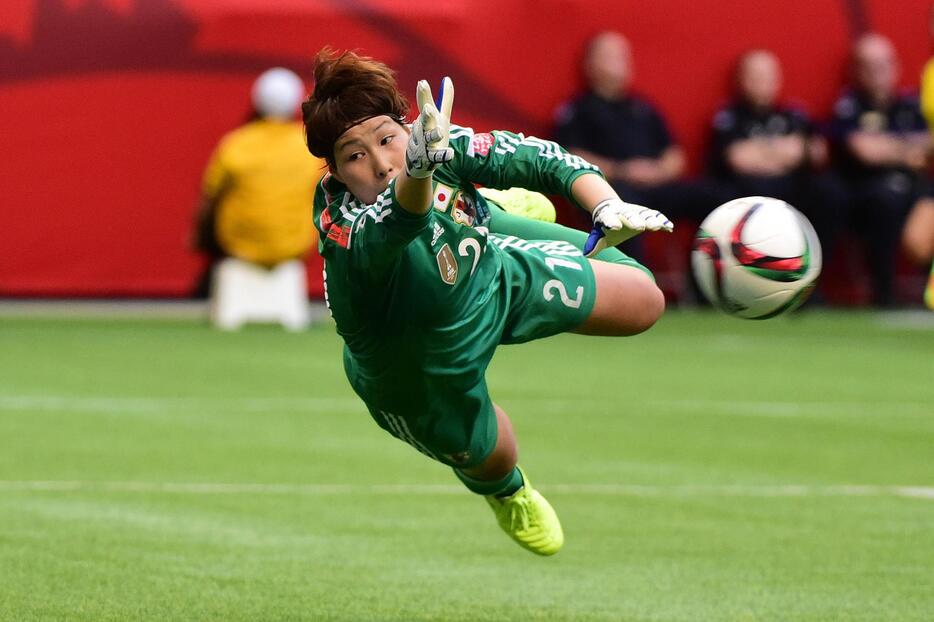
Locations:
column 382, row 166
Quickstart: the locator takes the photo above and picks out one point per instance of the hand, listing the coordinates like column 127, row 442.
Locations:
column 615, row 221
column 639, row 171
column 428, row 142
column 916, row 156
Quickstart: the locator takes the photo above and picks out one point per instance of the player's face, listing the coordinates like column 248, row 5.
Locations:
column 369, row 155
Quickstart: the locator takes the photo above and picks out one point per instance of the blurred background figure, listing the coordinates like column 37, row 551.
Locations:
column 918, row 234
column 762, row 147
column 881, row 146
column 255, row 216
column 626, row 136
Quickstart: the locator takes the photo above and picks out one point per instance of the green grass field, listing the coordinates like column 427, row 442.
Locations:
column 711, row 469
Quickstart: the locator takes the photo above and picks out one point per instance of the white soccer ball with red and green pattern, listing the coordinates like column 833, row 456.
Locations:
column 756, row 257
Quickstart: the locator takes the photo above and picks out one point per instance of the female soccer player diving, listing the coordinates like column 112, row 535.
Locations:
column 425, row 277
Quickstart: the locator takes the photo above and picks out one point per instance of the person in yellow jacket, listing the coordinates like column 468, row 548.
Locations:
column 258, row 187
column 918, row 234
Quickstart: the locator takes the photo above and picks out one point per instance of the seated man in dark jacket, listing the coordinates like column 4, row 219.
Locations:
column 881, row 146
column 762, row 147
column 626, row 136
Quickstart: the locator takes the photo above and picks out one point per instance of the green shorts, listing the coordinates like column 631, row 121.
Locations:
column 552, row 287
column 460, row 437
column 444, row 409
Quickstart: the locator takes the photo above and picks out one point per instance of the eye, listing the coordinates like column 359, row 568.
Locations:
column 356, row 155
column 386, row 139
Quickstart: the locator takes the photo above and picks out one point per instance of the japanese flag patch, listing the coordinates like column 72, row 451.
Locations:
column 442, row 197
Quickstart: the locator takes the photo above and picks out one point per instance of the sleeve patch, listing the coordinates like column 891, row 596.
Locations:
column 340, row 235
column 442, row 197
column 481, row 143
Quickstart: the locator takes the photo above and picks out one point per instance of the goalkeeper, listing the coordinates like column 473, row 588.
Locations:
column 425, row 277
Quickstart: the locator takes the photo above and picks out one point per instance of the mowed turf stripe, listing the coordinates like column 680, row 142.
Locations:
column 637, row 490
column 105, row 404
column 763, row 408
column 767, row 408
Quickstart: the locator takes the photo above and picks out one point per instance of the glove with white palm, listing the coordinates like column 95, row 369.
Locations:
column 615, row 221
column 428, row 142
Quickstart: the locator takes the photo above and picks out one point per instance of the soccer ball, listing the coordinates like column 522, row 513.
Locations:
column 756, row 257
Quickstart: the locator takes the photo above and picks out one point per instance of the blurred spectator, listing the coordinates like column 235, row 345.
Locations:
column 918, row 234
column 259, row 184
column 626, row 136
column 761, row 147
column 918, row 241
column 881, row 146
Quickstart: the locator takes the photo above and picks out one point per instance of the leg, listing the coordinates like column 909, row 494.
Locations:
column 502, row 460
column 886, row 201
column 521, row 511
column 918, row 240
column 825, row 201
column 627, row 302
column 918, row 233
column 505, row 223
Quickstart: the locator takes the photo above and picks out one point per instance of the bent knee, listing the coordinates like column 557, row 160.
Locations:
column 628, row 302
column 917, row 249
column 650, row 307
column 918, row 233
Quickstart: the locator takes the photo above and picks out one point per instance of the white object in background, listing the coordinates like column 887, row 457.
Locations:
column 277, row 93
column 243, row 292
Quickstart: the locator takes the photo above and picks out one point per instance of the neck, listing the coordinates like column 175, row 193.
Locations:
column 612, row 93
column 757, row 107
column 880, row 99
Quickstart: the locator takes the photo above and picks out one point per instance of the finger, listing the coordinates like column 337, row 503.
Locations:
column 660, row 222
column 440, row 156
column 423, row 95
column 446, row 98
column 640, row 219
column 632, row 221
column 429, row 118
column 595, row 238
column 611, row 220
column 654, row 220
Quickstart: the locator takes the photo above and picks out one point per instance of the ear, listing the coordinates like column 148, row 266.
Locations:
column 332, row 169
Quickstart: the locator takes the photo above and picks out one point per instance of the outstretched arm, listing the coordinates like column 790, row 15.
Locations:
column 614, row 220
column 427, row 148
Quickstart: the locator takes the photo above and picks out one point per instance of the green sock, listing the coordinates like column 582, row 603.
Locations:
column 505, row 487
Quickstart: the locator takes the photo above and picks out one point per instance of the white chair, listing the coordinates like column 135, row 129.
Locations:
column 243, row 292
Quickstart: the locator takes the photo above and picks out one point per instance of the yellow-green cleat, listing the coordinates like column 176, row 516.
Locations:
column 929, row 291
column 529, row 519
column 522, row 202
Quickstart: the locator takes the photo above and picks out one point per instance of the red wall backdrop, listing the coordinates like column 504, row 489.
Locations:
column 110, row 108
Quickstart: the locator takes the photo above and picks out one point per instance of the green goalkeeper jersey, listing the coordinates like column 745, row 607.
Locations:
column 422, row 301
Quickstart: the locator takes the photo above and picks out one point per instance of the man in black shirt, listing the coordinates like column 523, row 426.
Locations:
column 881, row 146
column 761, row 147
column 625, row 136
